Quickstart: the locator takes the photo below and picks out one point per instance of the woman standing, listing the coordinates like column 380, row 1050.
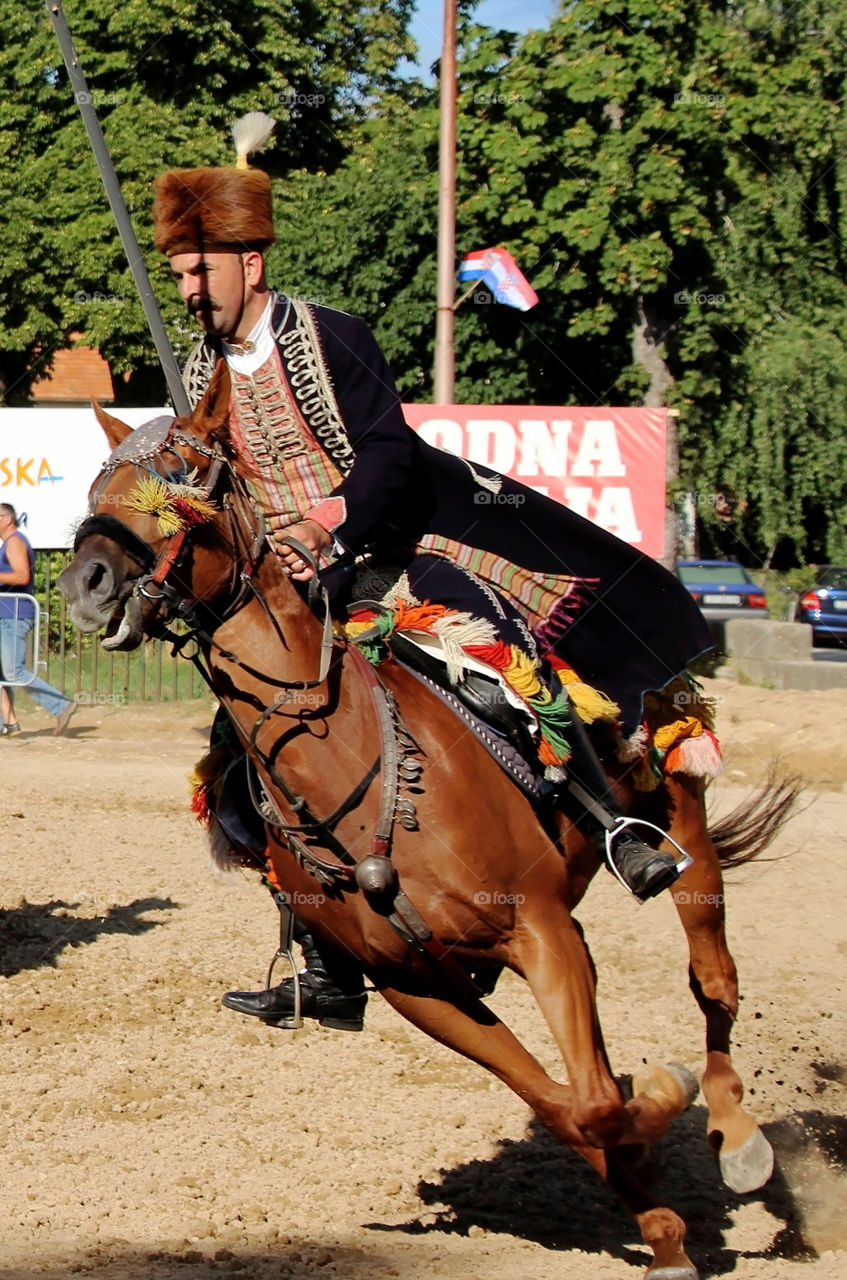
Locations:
column 16, row 618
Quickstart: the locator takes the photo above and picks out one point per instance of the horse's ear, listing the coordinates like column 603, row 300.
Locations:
column 115, row 430
column 212, row 412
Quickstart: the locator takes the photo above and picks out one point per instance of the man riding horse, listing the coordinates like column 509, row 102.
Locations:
column 517, row 583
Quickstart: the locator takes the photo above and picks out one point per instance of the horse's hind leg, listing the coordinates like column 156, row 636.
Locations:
column 745, row 1156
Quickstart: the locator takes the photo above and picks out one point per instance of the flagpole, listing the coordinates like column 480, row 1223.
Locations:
column 466, row 294
column 126, row 232
column 444, row 369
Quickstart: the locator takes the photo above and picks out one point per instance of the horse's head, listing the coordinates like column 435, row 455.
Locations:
column 159, row 482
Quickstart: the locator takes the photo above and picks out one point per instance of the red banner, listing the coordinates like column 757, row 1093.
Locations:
column 606, row 464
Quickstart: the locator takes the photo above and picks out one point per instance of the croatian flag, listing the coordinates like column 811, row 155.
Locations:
column 497, row 269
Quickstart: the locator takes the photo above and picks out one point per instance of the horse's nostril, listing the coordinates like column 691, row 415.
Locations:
column 95, row 576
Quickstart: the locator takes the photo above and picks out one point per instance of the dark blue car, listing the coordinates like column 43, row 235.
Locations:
column 824, row 606
column 723, row 589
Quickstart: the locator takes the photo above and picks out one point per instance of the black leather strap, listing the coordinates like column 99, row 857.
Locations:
column 113, row 529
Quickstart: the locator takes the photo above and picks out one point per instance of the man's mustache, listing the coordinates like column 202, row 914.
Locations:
column 199, row 305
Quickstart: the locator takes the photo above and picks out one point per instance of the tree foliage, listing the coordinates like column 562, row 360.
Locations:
column 670, row 177
column 167, row 78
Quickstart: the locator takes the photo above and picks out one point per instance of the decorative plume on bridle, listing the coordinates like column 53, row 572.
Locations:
column 175, row 506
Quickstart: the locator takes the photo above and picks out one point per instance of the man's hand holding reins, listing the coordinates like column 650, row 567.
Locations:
column 310, row 533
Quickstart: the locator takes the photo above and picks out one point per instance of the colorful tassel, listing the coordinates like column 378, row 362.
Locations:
column 699, row 756
column 666, row 736
column 175, row 506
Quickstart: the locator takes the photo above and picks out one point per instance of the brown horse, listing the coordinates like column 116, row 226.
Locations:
column 479, row 869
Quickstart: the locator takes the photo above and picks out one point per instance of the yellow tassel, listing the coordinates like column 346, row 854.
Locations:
column 352, row 629
column 591, row 704
column 150, row 496
column 193, row 499
column 668, row 734
column 153, row 496
column 522, row 674
column 209, row 767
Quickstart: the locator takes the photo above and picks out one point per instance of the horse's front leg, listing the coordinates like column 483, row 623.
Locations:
column 477, row 1034
column 589, row 1112
column 551, row 951
column 745, row 1156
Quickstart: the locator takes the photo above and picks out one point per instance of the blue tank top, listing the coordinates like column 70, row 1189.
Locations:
column 16, row 608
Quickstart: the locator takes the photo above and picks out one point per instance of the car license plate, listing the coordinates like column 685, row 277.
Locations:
column 715, row 599
column 839, row 604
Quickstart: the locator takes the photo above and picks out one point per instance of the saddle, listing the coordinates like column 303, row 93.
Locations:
column 483, row 703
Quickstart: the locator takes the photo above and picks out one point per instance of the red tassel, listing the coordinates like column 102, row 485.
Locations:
column 200, row 805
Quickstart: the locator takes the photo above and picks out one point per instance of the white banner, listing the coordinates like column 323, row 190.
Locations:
column 49, row 458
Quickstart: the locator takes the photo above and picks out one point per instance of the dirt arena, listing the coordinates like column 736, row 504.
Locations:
column 148, row 1134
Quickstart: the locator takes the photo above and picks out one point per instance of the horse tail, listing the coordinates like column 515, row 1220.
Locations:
column 746, row 832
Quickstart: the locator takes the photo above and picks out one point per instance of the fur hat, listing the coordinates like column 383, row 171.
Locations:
column 226, row 210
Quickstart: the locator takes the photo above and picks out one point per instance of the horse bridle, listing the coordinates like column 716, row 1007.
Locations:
column 153, row 584
column 156, row 572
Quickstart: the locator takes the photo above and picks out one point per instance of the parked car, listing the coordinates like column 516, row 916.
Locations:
column 723, row 589
column 824, row 606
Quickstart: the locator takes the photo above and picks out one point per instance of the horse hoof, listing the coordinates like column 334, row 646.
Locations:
column 673, row 1082
column 687, row 1081
column 750, row 1166
column 681, row 1271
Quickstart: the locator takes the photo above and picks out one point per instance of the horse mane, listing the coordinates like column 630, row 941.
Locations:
column 748, row 830
column 213, row 413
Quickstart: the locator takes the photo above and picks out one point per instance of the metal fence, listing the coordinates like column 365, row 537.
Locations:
column 80, row 668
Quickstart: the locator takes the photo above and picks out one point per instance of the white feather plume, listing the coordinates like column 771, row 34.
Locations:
column 250, row 133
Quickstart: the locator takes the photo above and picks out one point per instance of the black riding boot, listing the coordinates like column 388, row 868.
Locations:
column 643, row 870
column 333, row 995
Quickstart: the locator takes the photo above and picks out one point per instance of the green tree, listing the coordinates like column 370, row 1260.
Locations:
column 168, row 77
column 369, row 242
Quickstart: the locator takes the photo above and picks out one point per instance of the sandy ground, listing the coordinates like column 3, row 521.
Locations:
column 148, row 1134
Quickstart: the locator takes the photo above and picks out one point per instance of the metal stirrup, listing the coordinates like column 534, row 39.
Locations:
column 286, row 948
column 621, row 824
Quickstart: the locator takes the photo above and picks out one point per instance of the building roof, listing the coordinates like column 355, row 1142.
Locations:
column 79, row 375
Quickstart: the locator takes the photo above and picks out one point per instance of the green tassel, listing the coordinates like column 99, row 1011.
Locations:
column 555, row 720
